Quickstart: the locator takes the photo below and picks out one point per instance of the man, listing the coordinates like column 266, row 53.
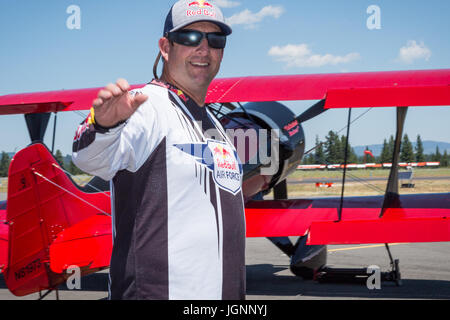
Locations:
column 177, row 207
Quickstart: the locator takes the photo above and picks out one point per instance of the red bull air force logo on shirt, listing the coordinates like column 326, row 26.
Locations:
column 221, row 159
column 203, row 9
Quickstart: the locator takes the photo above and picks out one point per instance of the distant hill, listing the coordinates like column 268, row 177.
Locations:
column 428, row 146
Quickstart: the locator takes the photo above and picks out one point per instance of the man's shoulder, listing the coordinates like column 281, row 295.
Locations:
column 152, row 91
column 158, row 98
column 158, row 102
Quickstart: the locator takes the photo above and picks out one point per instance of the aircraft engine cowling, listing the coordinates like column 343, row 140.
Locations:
column 270, row 143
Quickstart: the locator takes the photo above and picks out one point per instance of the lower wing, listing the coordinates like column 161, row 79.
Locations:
column 416, row 218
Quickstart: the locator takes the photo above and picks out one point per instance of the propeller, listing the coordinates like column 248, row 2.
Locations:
column 312, row 112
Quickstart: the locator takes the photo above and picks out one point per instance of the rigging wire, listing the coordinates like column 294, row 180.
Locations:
column 227, row 116
column 71, row 193
column 354, row 177
column 88, row 184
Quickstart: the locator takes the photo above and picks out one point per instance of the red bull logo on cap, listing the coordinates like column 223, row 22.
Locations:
column 203, row 10
column 201, row 4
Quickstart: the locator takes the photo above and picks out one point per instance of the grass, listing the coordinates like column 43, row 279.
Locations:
column 3, row 184
column 355, row 188
column 368, row 173
column 82, row 179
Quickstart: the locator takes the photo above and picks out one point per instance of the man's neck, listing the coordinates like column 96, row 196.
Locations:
column 199, row 97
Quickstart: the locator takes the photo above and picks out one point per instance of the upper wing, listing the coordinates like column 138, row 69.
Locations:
column 50, row 101
column 416, row 218
column 390, row 88
column 318, row 86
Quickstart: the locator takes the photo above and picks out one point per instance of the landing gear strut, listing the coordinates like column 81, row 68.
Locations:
column 358, row 275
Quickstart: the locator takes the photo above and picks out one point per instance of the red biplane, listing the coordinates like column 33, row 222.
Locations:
column 50, row 223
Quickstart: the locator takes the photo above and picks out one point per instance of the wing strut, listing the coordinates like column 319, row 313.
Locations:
column 345, row 165
column 54, row 133
column 391, row 198
column 37, row 125
column 280, row 192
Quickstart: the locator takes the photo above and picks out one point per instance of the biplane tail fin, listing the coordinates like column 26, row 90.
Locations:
column 52, row 224
column 3, row 237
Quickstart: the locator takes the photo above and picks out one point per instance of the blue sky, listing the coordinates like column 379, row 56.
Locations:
column 119, row 39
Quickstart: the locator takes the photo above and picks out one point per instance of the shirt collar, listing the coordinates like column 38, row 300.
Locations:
column 172, row 88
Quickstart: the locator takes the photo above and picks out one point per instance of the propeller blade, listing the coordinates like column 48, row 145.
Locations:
column 312, row 112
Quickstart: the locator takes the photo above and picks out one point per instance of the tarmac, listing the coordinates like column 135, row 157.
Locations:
column 424, row 267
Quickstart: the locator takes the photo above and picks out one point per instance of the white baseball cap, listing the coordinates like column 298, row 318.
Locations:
column 186, row 12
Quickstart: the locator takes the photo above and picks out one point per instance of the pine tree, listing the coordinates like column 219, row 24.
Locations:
column 445, row 159
column 437, row 156
column 391, row 146
column 420, row 157
column 352, row 157
column 342, row 143
column 332, row 148
column 4, row 164
column 59, row 158
column 386, row 155
column 406, row 150
column 319, row 153
column 390, row 149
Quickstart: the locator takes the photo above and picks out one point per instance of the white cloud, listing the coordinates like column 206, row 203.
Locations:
column 301, row 56
column 227, row 3
column 414, row 51
column 250, row 19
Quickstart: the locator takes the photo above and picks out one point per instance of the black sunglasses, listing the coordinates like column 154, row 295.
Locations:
column 193, row 38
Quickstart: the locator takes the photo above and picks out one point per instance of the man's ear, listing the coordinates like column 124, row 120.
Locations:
column 164, row 47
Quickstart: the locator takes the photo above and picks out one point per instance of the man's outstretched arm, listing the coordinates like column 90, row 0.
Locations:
column 114, row 136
